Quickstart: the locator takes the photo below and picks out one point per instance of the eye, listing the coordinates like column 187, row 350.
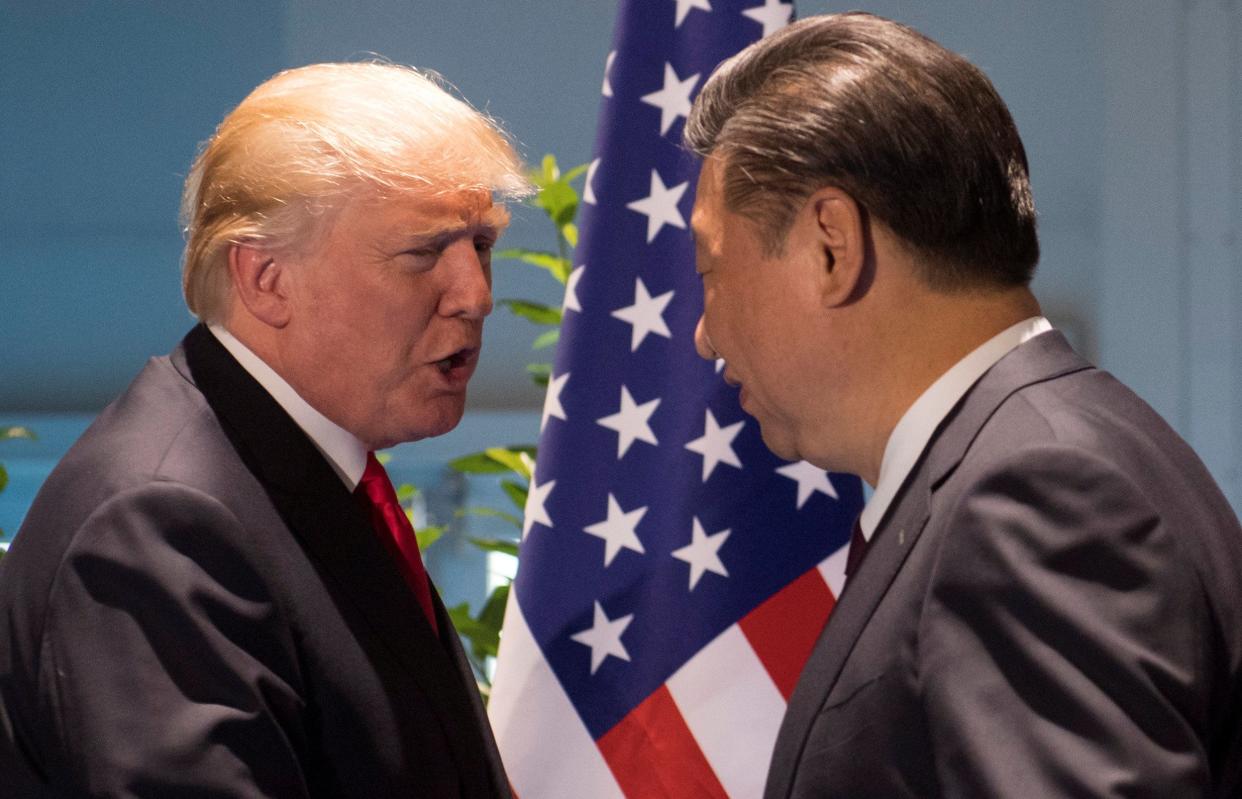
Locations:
column 419, row 259
column 483, row 246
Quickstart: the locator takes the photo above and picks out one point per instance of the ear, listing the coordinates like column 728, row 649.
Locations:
column 840, row 230
column 261, row 283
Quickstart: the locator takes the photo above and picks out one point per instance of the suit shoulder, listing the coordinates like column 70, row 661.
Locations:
column 1095, row 414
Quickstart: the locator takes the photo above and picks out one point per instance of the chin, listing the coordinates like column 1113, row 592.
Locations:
column 782, row 446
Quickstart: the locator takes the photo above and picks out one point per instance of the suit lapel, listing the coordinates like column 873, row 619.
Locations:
column 885, row 556
column 336, row 533
column 1044, row 357
column 495, row 767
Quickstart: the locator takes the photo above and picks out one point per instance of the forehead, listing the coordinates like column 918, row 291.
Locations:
column 411, row 214
column 706, row 217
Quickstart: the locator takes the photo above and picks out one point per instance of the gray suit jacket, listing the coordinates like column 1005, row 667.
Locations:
column 196, row 606
column 1052, row 606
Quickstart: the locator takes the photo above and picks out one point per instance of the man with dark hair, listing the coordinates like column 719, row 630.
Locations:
column 1049, row 600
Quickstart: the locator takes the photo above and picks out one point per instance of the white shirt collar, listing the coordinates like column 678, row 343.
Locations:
column 912, row 432
column 345, row 453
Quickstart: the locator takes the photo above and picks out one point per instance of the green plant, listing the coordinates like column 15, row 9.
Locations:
column 559, row 201
column 8, row 433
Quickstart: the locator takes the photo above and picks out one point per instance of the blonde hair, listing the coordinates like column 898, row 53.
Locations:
column 310, row 139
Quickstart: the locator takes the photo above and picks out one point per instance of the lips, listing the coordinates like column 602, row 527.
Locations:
column 457, row 367
column 466, row 356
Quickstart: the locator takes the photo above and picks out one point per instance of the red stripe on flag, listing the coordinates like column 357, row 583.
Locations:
column 783, row 630
column 652, row 753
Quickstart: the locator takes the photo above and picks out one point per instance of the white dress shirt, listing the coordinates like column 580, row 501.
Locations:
column 345, row 453
column 912, row 432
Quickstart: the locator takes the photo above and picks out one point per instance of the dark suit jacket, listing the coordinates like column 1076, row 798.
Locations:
column 196, row 606
column 1052, row 606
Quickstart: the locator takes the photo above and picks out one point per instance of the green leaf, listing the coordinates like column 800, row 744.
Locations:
column 559, row 201
column 558, row 267
column 477, row 463
column 535, row 312
column 428, row 536
column 406, row 492
column 551, row 171
column 4, row 477
column 492, row 513
column 546, row 339
column 460, row 615
column 16, row 431
column 540, row 373
column 575, row 172
column 502, row 545
column 484, row 638
column 570, row 231
column 511, row 458
column 383, row 457
column 493, row 613
column 516, row 493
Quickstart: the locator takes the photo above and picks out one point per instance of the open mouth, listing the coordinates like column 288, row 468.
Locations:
column 462, row 357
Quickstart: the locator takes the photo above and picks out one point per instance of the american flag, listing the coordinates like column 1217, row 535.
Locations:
column 674, row 574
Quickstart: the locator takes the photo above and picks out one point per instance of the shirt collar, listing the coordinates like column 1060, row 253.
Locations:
column 345, row 453
column 915, row 428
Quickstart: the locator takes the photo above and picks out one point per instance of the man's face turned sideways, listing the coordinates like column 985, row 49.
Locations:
column 755, row 313
column 389, row 303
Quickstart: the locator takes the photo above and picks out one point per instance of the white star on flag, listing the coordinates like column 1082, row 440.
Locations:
column 674, row 99
column 571, row 291
column 716, row 444
column 810, row 479
column 604, row 637
column 607, row 87
column 773, row 15
column 536, row 499
column 632, row 422
column 618, row 530
column 684, row 6
column 703, row 553
column 660, row 207
column 588, row 189
column 646, row 315
column 552, row 400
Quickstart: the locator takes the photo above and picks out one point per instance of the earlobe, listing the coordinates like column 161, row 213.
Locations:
column 841, row 228
column 260, row 283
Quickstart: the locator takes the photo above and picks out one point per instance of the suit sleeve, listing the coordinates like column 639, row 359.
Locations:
column 1062, row 645
column 165, row 663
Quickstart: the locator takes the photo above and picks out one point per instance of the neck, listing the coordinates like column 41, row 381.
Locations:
column 920, row 344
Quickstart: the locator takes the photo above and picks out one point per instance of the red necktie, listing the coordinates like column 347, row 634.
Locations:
column 858, row 548
column 389, row 519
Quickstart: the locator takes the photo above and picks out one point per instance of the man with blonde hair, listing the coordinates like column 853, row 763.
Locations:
column 216, row 593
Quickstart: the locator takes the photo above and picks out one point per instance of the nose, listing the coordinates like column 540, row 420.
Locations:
column 469, row 275
column 703, row 344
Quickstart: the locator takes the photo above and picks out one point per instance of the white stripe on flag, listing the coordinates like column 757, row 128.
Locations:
column 833, row 570
column 733, row 709
column 546, row 748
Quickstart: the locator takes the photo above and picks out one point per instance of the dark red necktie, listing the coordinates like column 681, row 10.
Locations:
column 858, row 548
column 389, row 519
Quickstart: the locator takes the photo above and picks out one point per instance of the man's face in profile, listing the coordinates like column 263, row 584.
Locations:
column 753, row 305
column 389, row 305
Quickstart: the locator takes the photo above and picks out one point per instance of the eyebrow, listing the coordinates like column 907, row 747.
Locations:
column 492, row 223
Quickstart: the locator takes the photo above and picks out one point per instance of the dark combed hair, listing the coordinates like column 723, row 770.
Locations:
column 916, row 134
